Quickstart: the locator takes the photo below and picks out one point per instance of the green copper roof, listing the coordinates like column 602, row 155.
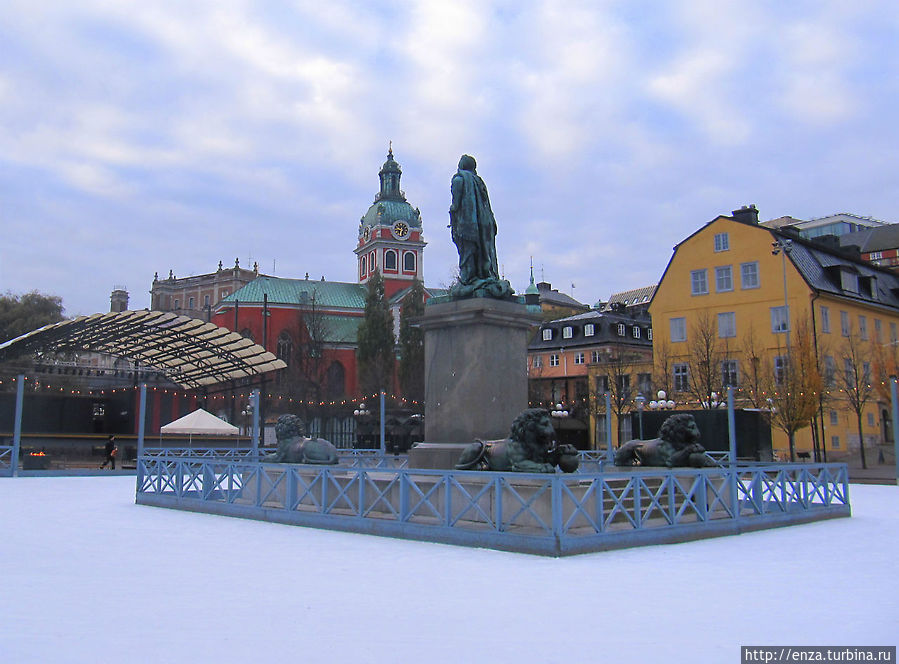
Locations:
column 301, row 292
column 389, row 211
column 341, row 329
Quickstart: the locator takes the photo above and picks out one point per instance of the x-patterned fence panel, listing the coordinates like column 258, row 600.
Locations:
column 552, row 513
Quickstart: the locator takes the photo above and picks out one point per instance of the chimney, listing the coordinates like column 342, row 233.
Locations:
column 748, row 214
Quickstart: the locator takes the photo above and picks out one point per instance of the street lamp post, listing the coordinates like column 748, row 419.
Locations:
column 783, row 247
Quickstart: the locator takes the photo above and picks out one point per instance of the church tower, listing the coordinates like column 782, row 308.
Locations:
column 390, row 237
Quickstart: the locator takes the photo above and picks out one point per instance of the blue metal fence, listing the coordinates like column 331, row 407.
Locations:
column 554, row 514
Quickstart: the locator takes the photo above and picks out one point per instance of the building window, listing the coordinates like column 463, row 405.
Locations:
column 870, row 419
column 547, row 334
column 863, row 327
column 636, row 332
column 780, row 319
column 844, row 323
column 594, row 356
column 589, row 330
column 285, row 347
column 893, row 334
column 875, row 256
column 825, row 320
column 578, row 358
column 830, row 372
column 649, row 334
column 724, row 279
column 371, row 262
column 205, row 300
column 834, row 418
column 847, row 370
column 866, row 373
column 729, row 373
column 621, row 329
column 390, row 260
column 699, row 284
column 781, row 362
column 727, row 324
column 602, row 384
column 878, row 331
column 362, row 268
column 644, row 383
column 554, row 359
column 678, row 329
column 567, row 332
column 624, row 384
column 537, row 361
column 225, row 292
column 681, row 377
column 835, row 442
column 722, row 242
column 409, row 261
column 749, row 275
column 177, row 304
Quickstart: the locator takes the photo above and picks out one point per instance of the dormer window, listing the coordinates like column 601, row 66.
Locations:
column 621, row 329
column 636, row 332
column 547, row 334
column 589, row 330
column 567, row 332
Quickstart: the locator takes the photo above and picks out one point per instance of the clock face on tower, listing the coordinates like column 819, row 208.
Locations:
column 400, row 230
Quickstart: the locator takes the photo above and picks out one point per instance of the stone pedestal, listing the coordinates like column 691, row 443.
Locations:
column 476, row 379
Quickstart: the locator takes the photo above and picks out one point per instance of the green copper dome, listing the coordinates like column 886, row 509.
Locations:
column 390, row 204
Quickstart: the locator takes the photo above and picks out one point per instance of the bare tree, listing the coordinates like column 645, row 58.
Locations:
column 708, row 352
column 614, row 372
column 797, row 384
column 662, row 365
column 856, row 382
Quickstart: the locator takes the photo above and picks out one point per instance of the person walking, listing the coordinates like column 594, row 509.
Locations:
column 111, row 451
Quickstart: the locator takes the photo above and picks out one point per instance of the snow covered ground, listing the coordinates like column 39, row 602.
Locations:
column 88, row 576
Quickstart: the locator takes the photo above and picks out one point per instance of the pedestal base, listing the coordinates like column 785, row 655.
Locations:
column 475, row 368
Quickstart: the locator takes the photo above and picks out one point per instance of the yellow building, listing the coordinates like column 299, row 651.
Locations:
column 740, row 304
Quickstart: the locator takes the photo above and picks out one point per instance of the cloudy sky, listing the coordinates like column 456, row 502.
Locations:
column 139, row 137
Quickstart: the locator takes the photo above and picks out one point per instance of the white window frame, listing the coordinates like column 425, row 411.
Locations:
column 780, row 320
column 699, row 282
column 567, row 332
column 589, row 330
column 749, row 275
column 845, row 324
column 594, row 357
column 724, row 279
column 825, row 319
column 863, row 327
column 537, row 361
column 727, row 325
column 547, row 334
column 635, row 332
column 579, row 357
column 678, row 329
column 553, row 359
column 730, row 373
column 722, row 242
column 409, row 255
column 680, row 372
column 621, row 329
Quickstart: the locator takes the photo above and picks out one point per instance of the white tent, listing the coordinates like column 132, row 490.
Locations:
column 199, row 422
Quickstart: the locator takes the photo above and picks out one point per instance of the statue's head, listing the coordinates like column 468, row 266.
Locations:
column 680, row 430
column 467, row 163
column 533, row 427
column 289, row 426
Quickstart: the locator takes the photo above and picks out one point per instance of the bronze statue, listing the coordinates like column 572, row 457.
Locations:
column 530, row 448
column 293, row 447
column 677, row 445
column 474, row 234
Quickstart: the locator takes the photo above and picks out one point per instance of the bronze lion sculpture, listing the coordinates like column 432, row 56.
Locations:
column 294, row 447
column 530, row 448
column 677, row 445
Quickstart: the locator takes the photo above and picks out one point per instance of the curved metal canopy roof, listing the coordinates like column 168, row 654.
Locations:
column 191, row 352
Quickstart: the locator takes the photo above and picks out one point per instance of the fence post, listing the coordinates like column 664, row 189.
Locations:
column 895, row 424
column 17, row 427
column 383, row 442
column 141, row 422
column 611, row 453
column 731, row 427
column 255, row 401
